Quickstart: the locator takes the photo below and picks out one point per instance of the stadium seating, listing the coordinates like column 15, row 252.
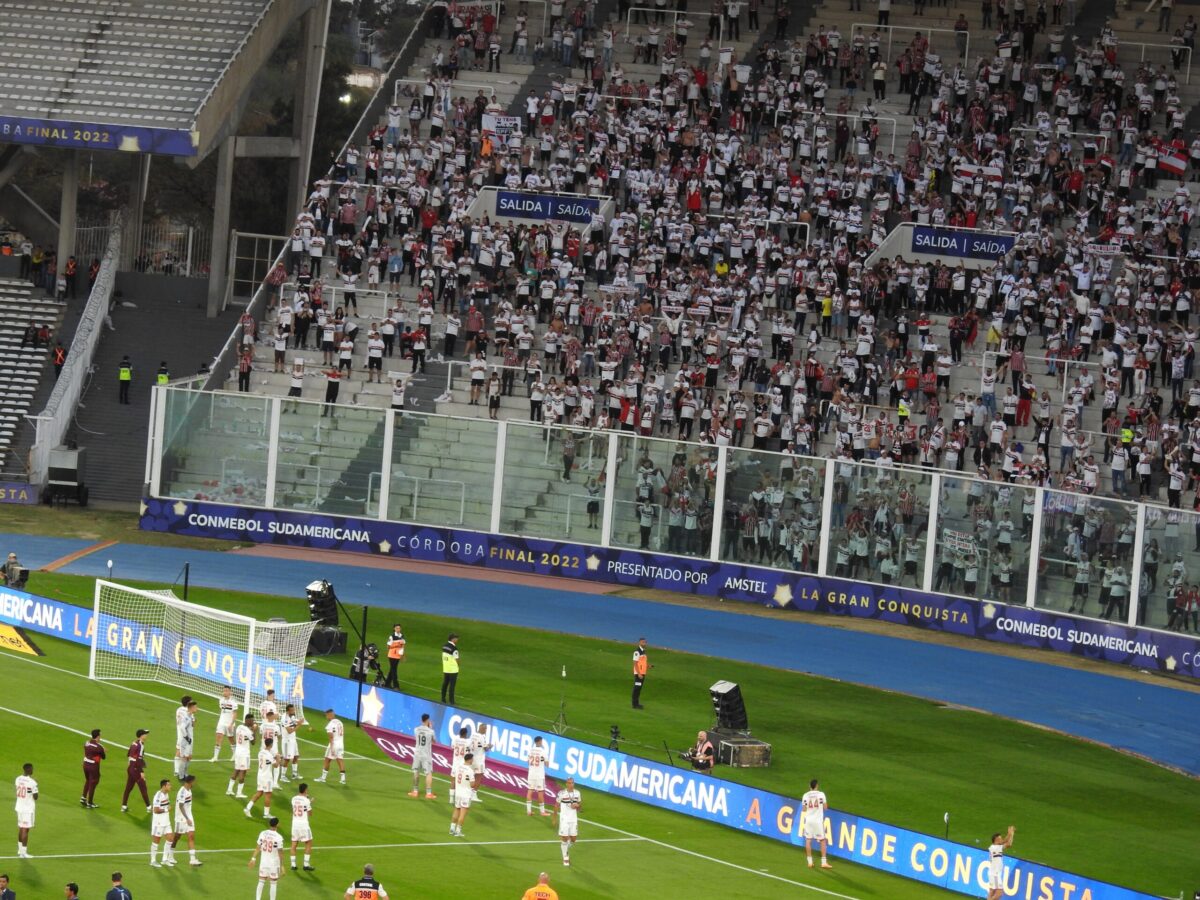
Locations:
column 21, row 367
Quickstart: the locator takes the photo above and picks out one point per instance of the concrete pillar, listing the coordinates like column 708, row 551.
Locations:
column 314, row 28
column 218, row 263
column 66, row 214
column 132, row 245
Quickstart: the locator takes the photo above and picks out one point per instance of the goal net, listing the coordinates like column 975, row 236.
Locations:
column 154, row 636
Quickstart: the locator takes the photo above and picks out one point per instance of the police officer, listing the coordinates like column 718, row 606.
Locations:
column 164, row 376
column 395, row 651
column 641, row 664
column 449, row 667
column 124, row 377
column 366, row 888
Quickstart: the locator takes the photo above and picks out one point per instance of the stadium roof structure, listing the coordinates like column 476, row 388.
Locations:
column 142, row 76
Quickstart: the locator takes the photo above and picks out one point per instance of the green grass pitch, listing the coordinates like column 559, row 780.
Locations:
column 907, row 761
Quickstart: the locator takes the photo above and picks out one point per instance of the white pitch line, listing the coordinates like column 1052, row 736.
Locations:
column 499, row 796
column 76, row 731
column 320, row 847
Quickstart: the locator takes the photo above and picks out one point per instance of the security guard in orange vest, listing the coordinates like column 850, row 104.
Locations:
column 641, row 664
column 124, row 378
column 71, row 270
column 59, row 355
column 395, row 650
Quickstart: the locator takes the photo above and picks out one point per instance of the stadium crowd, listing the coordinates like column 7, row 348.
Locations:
column 733, row 296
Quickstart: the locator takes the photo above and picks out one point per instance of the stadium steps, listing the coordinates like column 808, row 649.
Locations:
column 25, row 373
column 115, row 435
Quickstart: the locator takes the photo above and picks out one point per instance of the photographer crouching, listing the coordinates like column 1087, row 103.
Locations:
column 366, row 661
column 701, row 754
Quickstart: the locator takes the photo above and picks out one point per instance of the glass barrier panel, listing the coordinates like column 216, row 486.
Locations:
column 879, row 525
column 443, row 468
column 554, row 482
column 992, row 522
column 664, row 495
column 215, row 447
column 329, row 458
column 1086, row 555
column 772, row 514
column 1170, row 569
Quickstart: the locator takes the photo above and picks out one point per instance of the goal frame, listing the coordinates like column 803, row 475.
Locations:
column 184, row 605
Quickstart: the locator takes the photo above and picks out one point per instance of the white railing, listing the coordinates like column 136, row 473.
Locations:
column 53, row 422
column 915, row 30
column 941, row 498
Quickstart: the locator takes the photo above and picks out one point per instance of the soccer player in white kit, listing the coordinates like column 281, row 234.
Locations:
column 160, row 826
column 481, row 743
column 266, row 854
column 336, row 751
column 1000, row 843
column 243, row 737
column 271, row 728
column 27, row 794
column 289, row 746
column 464, row 786
column 266, row 779
column 459, row 748
column 569, row 802
column 302, row 827
column 228, row 710
column 536, row 779
column 184, row 822
column 185, row 731
column 812, row 811
column 423, row 736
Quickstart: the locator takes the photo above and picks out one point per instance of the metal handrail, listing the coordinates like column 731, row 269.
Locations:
column 915, row 29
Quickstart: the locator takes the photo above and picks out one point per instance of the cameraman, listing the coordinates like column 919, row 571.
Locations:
column 365, row 661
column 701, row 755
column 14, row 574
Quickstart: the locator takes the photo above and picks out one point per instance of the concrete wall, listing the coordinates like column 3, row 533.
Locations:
column 150, row 287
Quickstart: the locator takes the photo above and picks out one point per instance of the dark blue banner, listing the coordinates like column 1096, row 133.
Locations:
column 90, row 136
column 963, row 244
column 1141, row 648
column 520, row 205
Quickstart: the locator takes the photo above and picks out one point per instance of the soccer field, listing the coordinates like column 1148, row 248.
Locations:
column 625, row 849
column 887, row 756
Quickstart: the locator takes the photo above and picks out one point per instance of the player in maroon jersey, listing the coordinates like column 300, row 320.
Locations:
column 135, row 773
column 93, row 752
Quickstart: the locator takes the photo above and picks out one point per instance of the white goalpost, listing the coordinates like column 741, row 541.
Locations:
column 142, row 635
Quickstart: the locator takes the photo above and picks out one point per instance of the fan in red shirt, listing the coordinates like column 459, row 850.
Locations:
column 93, row 752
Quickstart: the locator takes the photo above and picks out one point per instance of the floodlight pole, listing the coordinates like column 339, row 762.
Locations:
column 362, row 675
column 187, row 568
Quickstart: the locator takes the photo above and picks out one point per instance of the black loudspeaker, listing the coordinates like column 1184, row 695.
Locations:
column 322, row 603
column 729, row 707
column 326, row 641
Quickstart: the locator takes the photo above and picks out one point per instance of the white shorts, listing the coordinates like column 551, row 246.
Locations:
column 266, row 780
column 337, row 751
column 568, row 828
column 288, row 749
column 463, row 801
column 269, row 871
column 301, row 833
column 225, row 724
column 241, row 760
column 160, row 825
column 183, row 746
column 422, row 765
column 996, row 880
column 25, row 817
column 182, row 827
column 479, row 766
column 814, row 828
column 537, row 781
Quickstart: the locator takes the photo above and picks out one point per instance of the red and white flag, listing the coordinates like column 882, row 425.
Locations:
column 1172, row 160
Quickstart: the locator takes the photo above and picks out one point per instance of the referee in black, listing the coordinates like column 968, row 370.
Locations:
column 449, row 667
column 367, row 886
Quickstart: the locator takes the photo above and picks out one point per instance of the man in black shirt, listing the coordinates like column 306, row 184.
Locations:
column 366, row 888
